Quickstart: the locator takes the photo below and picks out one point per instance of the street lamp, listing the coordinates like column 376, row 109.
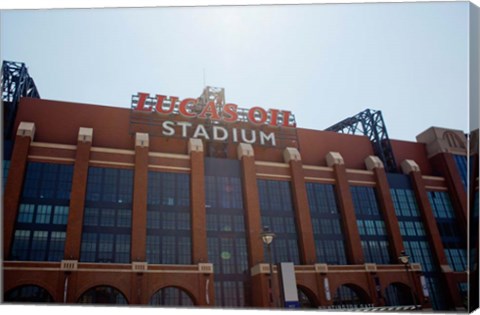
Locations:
column 267, row 238
column 405, row 260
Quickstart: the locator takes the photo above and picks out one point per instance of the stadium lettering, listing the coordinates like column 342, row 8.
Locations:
column 227, row 113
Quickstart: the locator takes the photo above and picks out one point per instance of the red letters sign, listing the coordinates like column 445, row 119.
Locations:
column 229, row 112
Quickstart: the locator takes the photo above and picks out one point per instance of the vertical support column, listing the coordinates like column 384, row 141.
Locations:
column 302, row 209
column 371, row 273
column 197, row 199
column 251, row 203
column 253, row 224
column 413, row 170
column 77, row 196
column 140, row 187
column 347, row 211
column 325, row 296
column 13, row 188
column 386, row 206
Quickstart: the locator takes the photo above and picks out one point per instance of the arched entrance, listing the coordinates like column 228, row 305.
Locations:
column 28, row 294
column 399, row 294
column 103, row 295
column 351, row 295
column 171, row 296
column 306, row 298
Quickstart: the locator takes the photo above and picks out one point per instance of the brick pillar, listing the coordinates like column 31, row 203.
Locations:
column 253, row 225
column 140, row 187
column 302, row 210
column 325, row 297
column 197, row 199
column 413, row 170
column 77, row 197
column 251, row 203
column 13, row 187
column 371, row 273
column 345, row 204
column 374, row 164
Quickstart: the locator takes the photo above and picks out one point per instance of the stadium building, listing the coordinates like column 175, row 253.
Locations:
column 199, row 202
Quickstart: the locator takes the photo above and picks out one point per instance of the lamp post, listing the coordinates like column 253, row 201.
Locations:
column 405, row 260
column 267, row 238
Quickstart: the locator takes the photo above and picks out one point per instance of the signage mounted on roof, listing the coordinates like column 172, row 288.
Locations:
column 230, row 113
column 213, row 119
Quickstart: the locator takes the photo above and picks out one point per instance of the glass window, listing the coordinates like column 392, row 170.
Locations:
column 26, row 213
column 371, row 224
column 107, row 216
column 453, row 239
column 110, row 185
column 327, row 232
column 461, row 163
column 43, row 213
column 57, row 244
column 415, row 240
column 277, row 212
column 6, row 168
column 226, row 238
column 60, row 215
column 168, row 218
column 47, row 181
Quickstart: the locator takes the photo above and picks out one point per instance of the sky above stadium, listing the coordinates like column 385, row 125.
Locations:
column 323, row 62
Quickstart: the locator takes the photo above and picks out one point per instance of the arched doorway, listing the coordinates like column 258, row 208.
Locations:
column 306, row 298
column 28, row 294
column 399, row 294
column 351, row 295
column 103, row 295
column 171, row 296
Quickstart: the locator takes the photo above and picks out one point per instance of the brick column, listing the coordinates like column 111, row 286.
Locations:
column 302, row 210
column 374, row 164
column 253, row 225
column 140, row 188
column 347, row 211
column 413, row 170
column 197, row 199
column 251, row 204
column 77, row 197
column 13, row 187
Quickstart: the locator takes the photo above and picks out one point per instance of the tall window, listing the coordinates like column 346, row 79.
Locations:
column 226, row 234
column 227, row 247
column 168, row 218
column 413, row 232
column 41, row 223
column 415, row 241
column 461, row 163
column 326, row 222
column 277, row 212
column 107, row 216
column 6, row 168
column 453, row 242
column 371, row 225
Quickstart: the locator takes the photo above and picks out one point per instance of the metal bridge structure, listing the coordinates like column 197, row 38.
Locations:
column 370, row 123
column 16, row 83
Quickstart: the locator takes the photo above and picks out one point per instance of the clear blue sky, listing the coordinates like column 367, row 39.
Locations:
column 324, row 62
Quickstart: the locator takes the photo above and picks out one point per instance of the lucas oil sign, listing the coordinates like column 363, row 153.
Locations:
column 194, row 118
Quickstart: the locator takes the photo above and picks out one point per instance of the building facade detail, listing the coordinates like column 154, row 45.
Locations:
column 159, row 221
